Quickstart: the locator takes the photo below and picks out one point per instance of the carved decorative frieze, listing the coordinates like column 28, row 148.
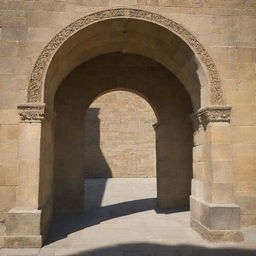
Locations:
column 31, row 112
column 37, row 77
column 213, row 114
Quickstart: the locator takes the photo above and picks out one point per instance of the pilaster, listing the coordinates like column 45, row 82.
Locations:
column 23, row 224
column 212, row 203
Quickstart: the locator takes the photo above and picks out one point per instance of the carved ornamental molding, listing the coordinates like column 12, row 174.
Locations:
column 31, row 112
column 39, row 70
column 212, row 114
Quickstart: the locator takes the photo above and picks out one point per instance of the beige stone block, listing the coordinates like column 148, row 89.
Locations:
column 222, row 171
column 245, row 188
column 198, row 154
column 217, row 216
column 246, row 71
column 29, row 143
column 8, row 141
column 247, row 204
column 244, row 169
column 243, row 134
column 207, row 189
column 222, row 193
column 48, row 19
column 219, row 134
column 198, row 170
column 8, row 48
column 221, row 152
column 23, row 222
column 7, row 65
column 220, row 54
column 148, row 2
column 242, row 55
column 29, row 172
column 242, row 96
column 15, row 29
column 23, row 241
column 247, row 85
column 13, row 83
column 122, row 2
column 95, row 2
column 9, row 174
column 7, row 198
column 229, row 70
column 41, row 35
column 244, row 150
column 243, row 114
column 248, row 220
column 175, row 3
column 247, row 30
column 224, row 4
column 197, row 188
column 9, row 116
column 30, row 49
column 27, row 196
column 9, row 98
column 195, row 208
column 2, row 175
column 52, row 6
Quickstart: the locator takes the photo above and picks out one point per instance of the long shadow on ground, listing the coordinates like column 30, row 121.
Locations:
column 152, row 249
column 63, row 225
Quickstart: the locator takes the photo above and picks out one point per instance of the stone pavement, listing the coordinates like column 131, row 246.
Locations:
column 121, row 220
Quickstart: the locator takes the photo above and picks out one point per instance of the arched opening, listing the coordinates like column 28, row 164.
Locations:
column 167, row 146
column 173, row 129
column 119, row 137
column 120, row 157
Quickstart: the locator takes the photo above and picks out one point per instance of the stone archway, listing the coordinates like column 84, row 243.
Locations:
column 36, row 83
column 164, row 93
column 213, row 212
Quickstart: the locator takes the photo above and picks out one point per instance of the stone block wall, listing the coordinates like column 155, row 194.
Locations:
column 120, row 138
column 227, row 29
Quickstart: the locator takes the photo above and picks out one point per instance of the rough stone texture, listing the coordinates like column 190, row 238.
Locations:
column 120, row 138
column 226, row 29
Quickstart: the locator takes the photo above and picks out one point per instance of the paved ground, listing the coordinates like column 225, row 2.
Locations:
column 120, row 220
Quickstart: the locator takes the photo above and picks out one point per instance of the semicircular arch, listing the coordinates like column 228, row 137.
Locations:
column 48, row 55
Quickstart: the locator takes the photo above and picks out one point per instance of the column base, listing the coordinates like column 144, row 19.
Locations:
column 216, row 222
column 23, row 229
column 23, row 241
column 216, row 235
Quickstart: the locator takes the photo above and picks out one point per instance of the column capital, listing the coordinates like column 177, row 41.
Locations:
column 31, row 112
column 212, row 114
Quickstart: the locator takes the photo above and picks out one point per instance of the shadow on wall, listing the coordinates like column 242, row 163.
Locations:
column 153, row 249
column 96, row 165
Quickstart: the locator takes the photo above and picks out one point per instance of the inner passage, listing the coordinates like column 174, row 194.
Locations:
column 120, row 152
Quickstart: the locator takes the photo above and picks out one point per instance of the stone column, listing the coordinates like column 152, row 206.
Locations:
column 23, row 225
column 213, row 213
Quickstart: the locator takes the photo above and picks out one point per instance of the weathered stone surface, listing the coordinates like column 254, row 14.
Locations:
column 209, row 46
column 120, row 124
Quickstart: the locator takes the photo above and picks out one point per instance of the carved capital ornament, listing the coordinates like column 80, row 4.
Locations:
column 31, row 112
column 212, row 114
column 36, row 82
